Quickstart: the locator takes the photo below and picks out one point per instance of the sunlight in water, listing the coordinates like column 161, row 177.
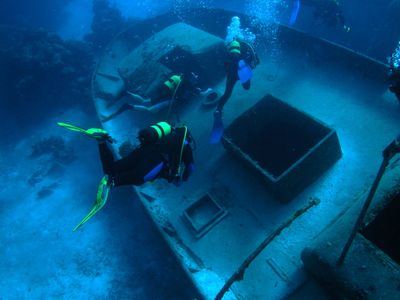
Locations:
column 395, row 58
column 265, row 17
column 180, row 7
column 235, row 31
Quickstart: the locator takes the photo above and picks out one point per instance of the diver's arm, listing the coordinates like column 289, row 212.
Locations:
column 124, row 107
column 139, row 98
column 154, row 108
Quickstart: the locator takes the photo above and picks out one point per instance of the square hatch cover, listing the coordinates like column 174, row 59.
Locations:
column 286, row 147
column 203, row 214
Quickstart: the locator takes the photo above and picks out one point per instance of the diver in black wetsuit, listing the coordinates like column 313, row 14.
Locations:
column 160, row 154
column 164, row 152
column 394, row 81
column 237, row 52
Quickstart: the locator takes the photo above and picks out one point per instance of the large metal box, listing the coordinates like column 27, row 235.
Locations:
column 287, row 148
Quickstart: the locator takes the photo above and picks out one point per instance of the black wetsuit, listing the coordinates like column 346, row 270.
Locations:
column 135, row 167
column 162, row 94
column 232, row 66
column 394, row 81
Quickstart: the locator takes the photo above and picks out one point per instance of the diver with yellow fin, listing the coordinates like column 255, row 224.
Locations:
column 163, row 152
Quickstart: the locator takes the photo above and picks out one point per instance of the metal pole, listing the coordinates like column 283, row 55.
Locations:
column 364, row 210
column 391, row 150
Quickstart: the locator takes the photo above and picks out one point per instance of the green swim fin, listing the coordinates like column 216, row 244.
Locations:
column 96, row 133
column 101, row 199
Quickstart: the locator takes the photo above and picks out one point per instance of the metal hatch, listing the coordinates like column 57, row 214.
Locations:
column 203, row 214
column 287, row 148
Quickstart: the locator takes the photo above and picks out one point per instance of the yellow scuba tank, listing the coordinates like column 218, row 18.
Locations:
column 234, row 47
column 173, row 82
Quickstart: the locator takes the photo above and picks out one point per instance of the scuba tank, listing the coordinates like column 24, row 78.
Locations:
column 154, row 133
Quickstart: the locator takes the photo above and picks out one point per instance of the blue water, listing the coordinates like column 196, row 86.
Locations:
column 48, row 50
column 295, row 12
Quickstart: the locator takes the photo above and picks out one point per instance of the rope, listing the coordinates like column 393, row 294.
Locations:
column 181, row 153
column 239, row 273
column 172, row 101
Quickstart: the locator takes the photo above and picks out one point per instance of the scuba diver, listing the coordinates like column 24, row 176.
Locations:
column 177, row 88
column 394, row 81
column 163, row 152
column 240, row 62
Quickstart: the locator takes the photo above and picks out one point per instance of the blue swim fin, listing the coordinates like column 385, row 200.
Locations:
column 244, row 71
column 218, row 128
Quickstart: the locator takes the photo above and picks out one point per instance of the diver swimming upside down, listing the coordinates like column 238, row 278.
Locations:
column 163, row 152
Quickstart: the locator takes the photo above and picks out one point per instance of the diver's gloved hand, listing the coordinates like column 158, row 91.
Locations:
column 100, row 135
column 108, row 138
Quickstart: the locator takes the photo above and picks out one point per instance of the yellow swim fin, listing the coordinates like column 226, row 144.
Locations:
column 101, row 199
column 96, row 133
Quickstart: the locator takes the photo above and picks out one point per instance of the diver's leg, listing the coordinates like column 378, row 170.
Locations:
column 138, row 176
column 154, row 108
column 119, row 170
column 141, row 108
column 230, row 83
column 124, row 107
column 139, row 98
column 138, row 168
column 127, row 178
column 107, row 158
column 159, row 106
column 246, row 85
column 112, row 166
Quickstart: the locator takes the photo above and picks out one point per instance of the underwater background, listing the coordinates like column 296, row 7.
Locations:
column 48, row 51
